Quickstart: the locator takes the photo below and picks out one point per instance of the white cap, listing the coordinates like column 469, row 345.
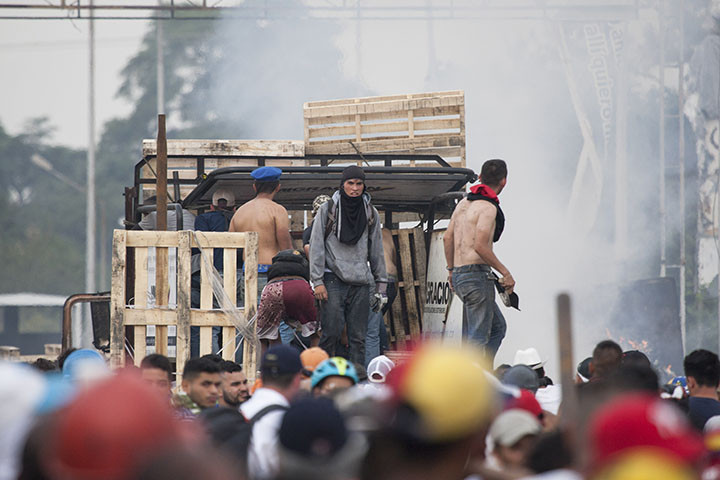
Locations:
column 378, row 368
column 225, row 193
column 529, row 357
column 512, row 425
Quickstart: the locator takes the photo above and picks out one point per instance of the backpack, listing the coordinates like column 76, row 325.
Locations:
column 231, row 431
column 331, row 222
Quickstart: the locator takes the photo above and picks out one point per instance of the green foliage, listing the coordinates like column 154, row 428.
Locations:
column 43, row 219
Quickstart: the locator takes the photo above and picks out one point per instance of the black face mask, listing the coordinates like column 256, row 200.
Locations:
column 353, row 218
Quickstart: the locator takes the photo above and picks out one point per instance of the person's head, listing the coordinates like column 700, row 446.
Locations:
column 45, row 365
column 702, row 370
column 235, row 389
column 514, row 433
column 494, row 174
column 84, row 365
column 634, row 378
column 636, row 357
column 223, row 199
column 267, row 180
column 332, row 375
column 314, row 443
column 353, row 181
column 156, row 371
column 281, row 370
column 606, row 357
column 501, row 369
column 311, row 358
column 639, row 422
column 201, row 381
column 523, row 377
column 582, row 374
column 319, row 201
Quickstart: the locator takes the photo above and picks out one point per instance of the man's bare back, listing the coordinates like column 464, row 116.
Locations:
column 389, row 252
column 270, row 220
column 469, row 238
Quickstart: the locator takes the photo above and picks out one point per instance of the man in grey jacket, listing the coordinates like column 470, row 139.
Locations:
column 346, row 236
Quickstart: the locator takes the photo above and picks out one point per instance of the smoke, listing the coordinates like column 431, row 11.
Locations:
column 519, row 108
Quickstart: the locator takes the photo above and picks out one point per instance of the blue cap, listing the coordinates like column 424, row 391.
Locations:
column 266, row 174
column 84, row 356
column 280, row 360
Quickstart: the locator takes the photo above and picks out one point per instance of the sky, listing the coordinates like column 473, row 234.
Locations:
column 45, row 65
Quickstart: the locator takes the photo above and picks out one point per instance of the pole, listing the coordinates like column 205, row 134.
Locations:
column 661, row 74
column 90, row 192
column 160, row 65
column 681, row 161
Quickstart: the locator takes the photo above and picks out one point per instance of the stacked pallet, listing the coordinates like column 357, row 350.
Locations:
column 425, row 123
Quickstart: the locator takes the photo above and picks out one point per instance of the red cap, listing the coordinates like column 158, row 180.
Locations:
column 526, row 401
column 642, row 421
column 109, row 429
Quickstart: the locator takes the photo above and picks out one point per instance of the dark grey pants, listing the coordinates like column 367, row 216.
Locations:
column 347, row 305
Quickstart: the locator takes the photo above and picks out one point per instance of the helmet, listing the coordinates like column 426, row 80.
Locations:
column 83, row 364
column 333, row 367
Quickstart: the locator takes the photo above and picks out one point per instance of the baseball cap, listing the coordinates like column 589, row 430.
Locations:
column 645, row 465
column 378, row 368
column 642, row 421
column 522, row 376
column 512, row 425
column 223, row 193
column 84, row 364
column 583, row 370
column 311, row 358
column 441, row 393
column 526, row 401
column 313, row 427
column 280, row 360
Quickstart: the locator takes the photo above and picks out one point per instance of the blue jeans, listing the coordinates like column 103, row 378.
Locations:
column 376, row 340
column 347, row 305
column 483, row 323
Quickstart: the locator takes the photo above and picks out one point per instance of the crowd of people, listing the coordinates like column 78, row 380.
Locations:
column 440, row 413
column 327, row 402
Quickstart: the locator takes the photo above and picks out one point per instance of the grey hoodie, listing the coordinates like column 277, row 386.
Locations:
column 348, row 262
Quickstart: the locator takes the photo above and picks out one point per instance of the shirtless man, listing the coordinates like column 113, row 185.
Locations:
column 476, row 223
column 269, row 219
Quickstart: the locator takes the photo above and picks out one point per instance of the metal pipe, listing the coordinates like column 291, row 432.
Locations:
column 90, row 198
column 681, row 161
column 67, row 313
column 661, row 75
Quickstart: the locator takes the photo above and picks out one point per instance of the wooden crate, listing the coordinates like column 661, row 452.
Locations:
column 424, row 123
column 130, row 308
column 404, row 318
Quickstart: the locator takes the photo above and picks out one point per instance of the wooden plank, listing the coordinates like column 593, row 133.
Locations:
column 141, row 277
column 398, row 324
column 230, row 274
column 161, row 339
column 205, row 340
column 140, row 343
column 182, row 351
column 270, row 148
column 420, row 267
column 410, row 126
column 410, row 297
column 384, row 116
column 206, row 272
column 229, row 342
column 250, row 363
column 117, row 300
column 373, row 99
column 224, row 239
column 162, row 288
column 148, row 238
column 197, row 318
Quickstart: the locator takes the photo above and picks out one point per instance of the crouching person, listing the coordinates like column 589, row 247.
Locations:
column 287, row 297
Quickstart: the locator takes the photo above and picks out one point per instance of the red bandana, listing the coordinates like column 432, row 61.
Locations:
column 485, row 191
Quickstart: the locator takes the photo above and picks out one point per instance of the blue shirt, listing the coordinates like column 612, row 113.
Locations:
column 213, row 221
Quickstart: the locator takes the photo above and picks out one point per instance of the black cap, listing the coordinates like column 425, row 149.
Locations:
column 280, row 360
column 353, row 171
column 313, row 428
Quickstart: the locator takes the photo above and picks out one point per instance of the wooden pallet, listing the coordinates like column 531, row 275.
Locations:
column 131, row 308
column 404, row 318
column 425, row 123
